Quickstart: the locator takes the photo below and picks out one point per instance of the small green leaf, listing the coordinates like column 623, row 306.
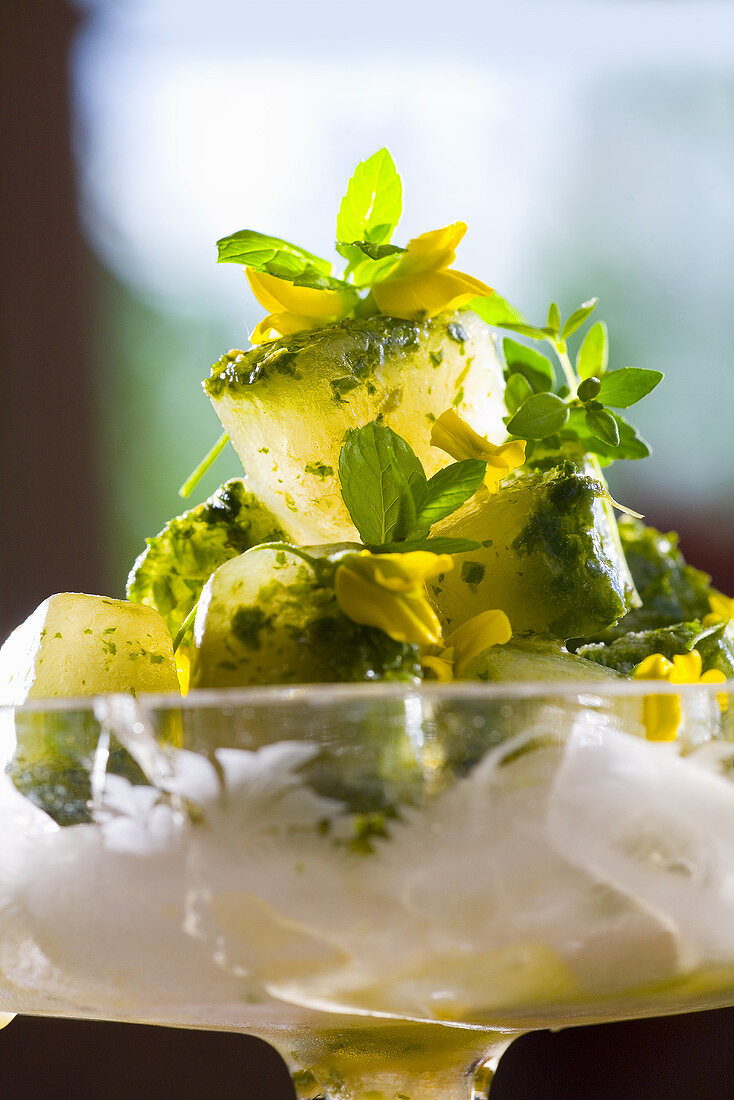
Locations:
column 517, row 391
column 553, row 323
column 436, row 546
column 375, row 251
column 625, row 387
column 382, row 483
column 593, row 353
column 536, row 368
column 373, row 202
column 531, row 331
column 446, row 491
column 497, row 311
column 364, row 271
column 603, row 425
column 278, row 258
column 631, row 445
column 541, row 415
column 577, row 318
column 589, row 388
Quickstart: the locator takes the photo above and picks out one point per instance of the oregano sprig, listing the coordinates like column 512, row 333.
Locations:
column 579, row 415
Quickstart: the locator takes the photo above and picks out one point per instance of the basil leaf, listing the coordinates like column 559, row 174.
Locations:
column 517, row 391
column 625, row 387
column 279, row 258
column 373, row 202
column 577, row 318
column 554, row 318
column 536, row 368
column 446, row 491
column 603, row 425
column 540, row 416
column 382, row 483
column 593, row 353
column 436, row 546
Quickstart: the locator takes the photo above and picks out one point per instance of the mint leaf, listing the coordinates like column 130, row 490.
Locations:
column 373, row 202
column 446, row 491
column 382, row 483
column 517, row 391
column 577, row 318
column 279, row 258
column 436, row 546
column 603, row 425
column 593, row 353
column 625, row 387
column 536, row 368
column 541, row 415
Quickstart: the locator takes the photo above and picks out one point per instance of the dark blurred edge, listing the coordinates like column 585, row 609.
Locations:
column 50, row 541
column 49, row 534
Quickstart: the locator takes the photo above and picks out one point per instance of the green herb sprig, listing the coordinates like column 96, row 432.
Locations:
column 368, row 216
column 391, row 502
column 580, row 415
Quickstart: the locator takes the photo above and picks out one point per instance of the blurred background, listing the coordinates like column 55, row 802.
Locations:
column 590, row 147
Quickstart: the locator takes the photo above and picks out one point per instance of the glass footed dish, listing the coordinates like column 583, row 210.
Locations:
column 387, row 883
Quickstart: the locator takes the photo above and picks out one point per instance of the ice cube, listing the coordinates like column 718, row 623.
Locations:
column 637, row 816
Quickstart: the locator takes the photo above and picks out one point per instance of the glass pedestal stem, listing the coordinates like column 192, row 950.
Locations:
column 374, row 1060
column 483, row 1074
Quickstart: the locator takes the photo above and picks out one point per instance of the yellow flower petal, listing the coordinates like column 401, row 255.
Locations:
column 424, row 294
column 477, row 635
column 282, row 324
column 661, row 715
column 388, row 591
column 431, row 251
column 420, row 285
column 713, row 676
column 452, row 434
column 402, row 572
column 686, row 668
column 441, row 667
column 654, row 667
column 280, row 295
column 721, row 606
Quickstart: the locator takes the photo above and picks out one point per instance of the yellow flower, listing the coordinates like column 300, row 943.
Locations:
column 292, row 308
column 420, row 285
column 452, row 434
column 722, row 607
column 388, row 591
column 662, row 713
column 467, row 642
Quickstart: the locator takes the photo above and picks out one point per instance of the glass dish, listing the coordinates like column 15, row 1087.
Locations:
column 387, row 883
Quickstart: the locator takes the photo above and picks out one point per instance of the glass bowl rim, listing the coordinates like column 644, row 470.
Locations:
column 326, row 696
